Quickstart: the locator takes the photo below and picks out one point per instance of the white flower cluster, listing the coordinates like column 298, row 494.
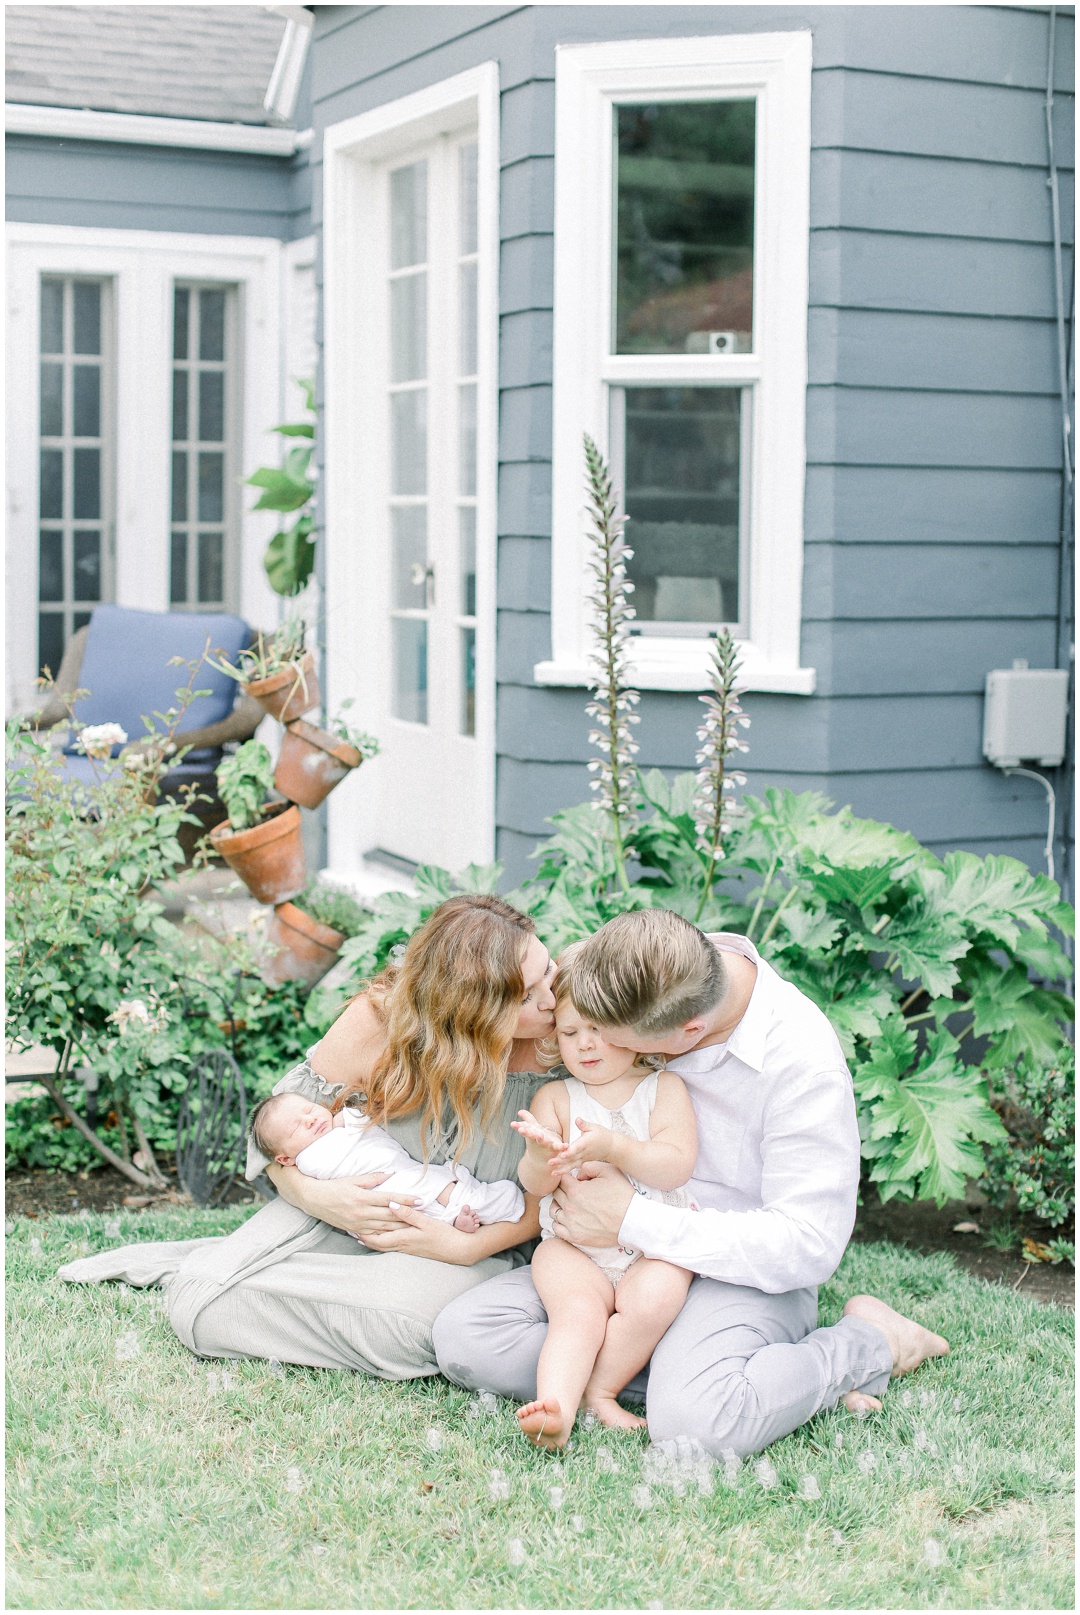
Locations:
column 719, row 737
column 133, row 1016
column 98, row 739
column 613, row 703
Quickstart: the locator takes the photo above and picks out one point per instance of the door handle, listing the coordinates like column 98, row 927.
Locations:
column 420, row 575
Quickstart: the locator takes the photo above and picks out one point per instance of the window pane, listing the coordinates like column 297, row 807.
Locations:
column 211, row 580
column 467, row 319
column 682, row 495
column 179, row 487
column 408, row 328
column 212, row 406
column 178, row 590
column 87, row 299
column 50, row 565
column 211, row 487
column 408, row 216
column 80, row 620
column 467, row 559
column 52, row 316
column 212, row 324
column 86, row 483
column 467, row 439
column 51, row 493
column 87, row 400
column 408, row 442
column 410, row 669
column 87, row 585
column 50, row 641
column 180, row 406
column 467, row 722
column 409, row 528
column 685, row 226
column 52, row 400
column 181, row 319
column 467, row 236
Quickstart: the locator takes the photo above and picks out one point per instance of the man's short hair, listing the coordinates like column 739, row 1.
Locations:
column 649, row 971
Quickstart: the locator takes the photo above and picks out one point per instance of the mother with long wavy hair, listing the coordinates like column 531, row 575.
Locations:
column 441, row 1048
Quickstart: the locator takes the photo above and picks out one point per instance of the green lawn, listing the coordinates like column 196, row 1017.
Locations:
column 140, row 1476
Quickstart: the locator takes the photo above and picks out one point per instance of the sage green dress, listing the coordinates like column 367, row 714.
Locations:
column 290, row 1287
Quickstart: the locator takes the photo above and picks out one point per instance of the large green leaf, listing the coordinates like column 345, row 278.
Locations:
column 994, row 895
column 1024, row 1019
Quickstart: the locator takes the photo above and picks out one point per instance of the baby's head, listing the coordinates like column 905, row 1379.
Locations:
column 287, row 1123
column 580, row 1045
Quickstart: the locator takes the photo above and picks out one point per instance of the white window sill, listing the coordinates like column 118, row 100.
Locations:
column 683, row 664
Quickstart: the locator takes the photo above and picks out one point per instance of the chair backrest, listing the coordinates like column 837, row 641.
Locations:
column 125, row 666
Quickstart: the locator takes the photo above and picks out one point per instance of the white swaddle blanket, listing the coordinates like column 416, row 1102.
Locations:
column 358, row 1147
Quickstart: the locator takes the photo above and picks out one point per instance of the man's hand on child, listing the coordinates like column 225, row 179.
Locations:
column 595, row 1143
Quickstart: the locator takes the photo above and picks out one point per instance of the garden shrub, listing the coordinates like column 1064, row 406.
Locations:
column 1034, row 1166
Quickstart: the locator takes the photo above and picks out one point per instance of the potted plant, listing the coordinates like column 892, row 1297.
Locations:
column 314, row 760
column 278, row 672
column 309, row 931
column 260, row 839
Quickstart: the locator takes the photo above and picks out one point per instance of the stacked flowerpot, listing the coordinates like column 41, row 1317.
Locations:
column 268, row 854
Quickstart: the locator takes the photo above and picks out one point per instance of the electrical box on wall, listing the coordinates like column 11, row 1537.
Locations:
column 1025, row 716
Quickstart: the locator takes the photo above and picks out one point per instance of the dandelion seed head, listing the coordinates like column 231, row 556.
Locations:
column 605, row 1462
column 127, row 1346
column 35, row 1246
column 957, row 1404
column 435, row 1440
column 765, row 1474
column 927, row 1400
column 111, row 1229
column 836, row 1538
column 921, row 1441
column 577, row 1523
column 867, row 1462
column 274, row 1366
column 838, row 1441
column 294, row 1481
column 641, row 1496
column 498, row 1486
column 809, row 1488
column 958, row 1471
column 933, row 1552
column 557, row 1496
column 515, row 1551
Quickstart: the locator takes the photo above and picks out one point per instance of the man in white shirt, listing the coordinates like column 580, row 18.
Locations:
column 776, row 1180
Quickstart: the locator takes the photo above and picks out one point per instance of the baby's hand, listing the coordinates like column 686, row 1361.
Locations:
column 531, row 1129
column 596, row 1143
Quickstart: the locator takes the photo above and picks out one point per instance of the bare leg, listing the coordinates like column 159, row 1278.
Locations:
column 649, row 1298
column 579, row 1300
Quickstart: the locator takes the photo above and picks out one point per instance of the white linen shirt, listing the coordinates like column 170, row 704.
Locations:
column 777, row 1172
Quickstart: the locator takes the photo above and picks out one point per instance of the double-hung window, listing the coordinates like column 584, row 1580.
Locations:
column 681, row 249
column 202, row 545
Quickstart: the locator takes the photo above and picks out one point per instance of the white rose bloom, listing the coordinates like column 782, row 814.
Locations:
column 98, row 739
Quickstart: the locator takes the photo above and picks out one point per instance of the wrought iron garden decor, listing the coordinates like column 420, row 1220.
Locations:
column 211, row 1129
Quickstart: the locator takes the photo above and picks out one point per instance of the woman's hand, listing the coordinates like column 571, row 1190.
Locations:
column 595, row 1143
column 355, row 1205
column 416, row 1234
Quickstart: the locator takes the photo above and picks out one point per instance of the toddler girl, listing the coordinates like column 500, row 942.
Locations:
column 607, row 1308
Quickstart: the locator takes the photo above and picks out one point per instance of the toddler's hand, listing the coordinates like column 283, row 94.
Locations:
column 531, row 1129
column 596, row 1143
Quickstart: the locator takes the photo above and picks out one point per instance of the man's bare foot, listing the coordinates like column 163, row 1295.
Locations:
column 909, row 1342
column 545, row 1424
column 609, row 1412
column 860, row 1402
column 467, row 1220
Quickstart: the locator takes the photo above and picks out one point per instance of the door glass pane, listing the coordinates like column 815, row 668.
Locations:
column 80, row 620
column 467, row 319
column 212, row 324
column 467, row 439
column 211, row 579
column 87, row 401
column 179, row 486
column 52, row 316
column 408, row 216
column 408, row 442
column 181, row 321
column 180, row 406
column 87, row 584
column 410, row 669
column 212, row 406
column 86, row 484
column 467, row 191
column 467, row 720
column 682, row 495
column 178, row 569
column 211, row 487
column 87, row 299
column 467, row 559
column 52, row 400
column 685, row 227
column 408, row 328
column 409, row 530
column 50, row 641
column 50, row 565
column 51, row 495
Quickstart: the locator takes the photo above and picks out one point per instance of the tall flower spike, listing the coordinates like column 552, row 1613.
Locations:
column 718, row 738
column 612, row 707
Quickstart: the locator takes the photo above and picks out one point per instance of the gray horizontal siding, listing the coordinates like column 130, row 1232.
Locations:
column 930, row 353
column 861, row 504
column 863, row 426
column 921, row 582
column 932, row 274
column 912, row 658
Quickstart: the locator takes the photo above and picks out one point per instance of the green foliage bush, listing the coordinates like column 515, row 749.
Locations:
column 1036, row 1161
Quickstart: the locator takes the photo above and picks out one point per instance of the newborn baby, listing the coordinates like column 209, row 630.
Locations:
column 295, row 1131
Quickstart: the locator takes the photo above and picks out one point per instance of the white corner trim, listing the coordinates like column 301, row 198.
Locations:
column 127, row 128
column 280, row 98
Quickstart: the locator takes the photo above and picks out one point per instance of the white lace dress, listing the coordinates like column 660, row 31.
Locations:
column 632, row 1119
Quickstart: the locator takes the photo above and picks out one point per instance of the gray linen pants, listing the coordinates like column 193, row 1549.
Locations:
column 736, row 1370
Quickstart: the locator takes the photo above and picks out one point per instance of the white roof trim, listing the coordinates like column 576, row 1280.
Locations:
column 280, row 99
column 74, row 123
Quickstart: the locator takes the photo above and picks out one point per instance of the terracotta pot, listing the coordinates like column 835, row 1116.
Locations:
column 269, row 858
column 308, row 949
column 289, row 693
column 311, row 763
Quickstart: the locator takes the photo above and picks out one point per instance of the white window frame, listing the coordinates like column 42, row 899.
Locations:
column 142, row 265
column 590, row 80
column 352, row 151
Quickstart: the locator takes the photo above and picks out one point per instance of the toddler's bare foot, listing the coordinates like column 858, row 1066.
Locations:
column 609, row 1412
column 861, row 1402
column 545, row 1423
column 467, row 1220
column 909, row 1342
